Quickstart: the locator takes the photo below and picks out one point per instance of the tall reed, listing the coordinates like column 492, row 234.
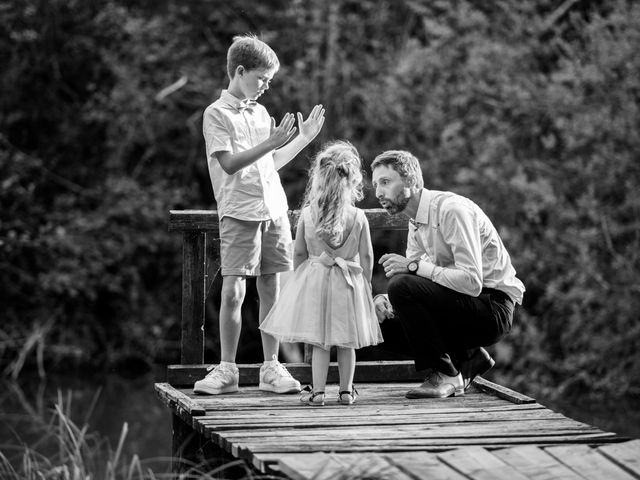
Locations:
column 66, row 451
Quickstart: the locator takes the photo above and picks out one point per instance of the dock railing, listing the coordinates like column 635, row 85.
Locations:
column 201, row 260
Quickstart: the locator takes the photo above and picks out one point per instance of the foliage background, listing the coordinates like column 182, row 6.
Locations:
column 528, row 107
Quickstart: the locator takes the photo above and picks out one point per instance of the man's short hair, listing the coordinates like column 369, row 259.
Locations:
column 403, row 162
column 252, row 54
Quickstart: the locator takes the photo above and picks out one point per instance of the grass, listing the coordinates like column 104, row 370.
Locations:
column 66, row 451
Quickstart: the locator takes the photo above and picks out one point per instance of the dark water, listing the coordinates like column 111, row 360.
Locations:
column 104, row 402
column 24, row 405
column 618, row 416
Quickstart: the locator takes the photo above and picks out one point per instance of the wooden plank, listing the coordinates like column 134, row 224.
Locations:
column 233, row 418
column 375, row 414
column 478, row 464
column 369, row 466
column 370, row 395
column 533, row 426
column 370, row 405
column 194, row 220
column 427, row 430
column 626, row 455
column 307, row 466
column 323, row 466
column 329, row 443
column 247, row 449
column 287, row 434
column 502, row 392
column 207, row 220
column 535, row 463
column 494, row 430
column 371, row 371
column 426, row 409
column 423, row 465
column 588, row 462
column 193, row 297
column 295, row 420
column 177, row 400
column 363, row 416
column 233, row 403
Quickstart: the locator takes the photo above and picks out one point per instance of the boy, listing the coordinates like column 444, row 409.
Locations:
column 245, row 149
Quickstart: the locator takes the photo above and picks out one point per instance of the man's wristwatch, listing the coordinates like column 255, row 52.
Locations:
column 413, row 266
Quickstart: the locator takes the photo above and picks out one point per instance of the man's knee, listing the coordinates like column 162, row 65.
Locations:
column 398, row 287
column 407, row 287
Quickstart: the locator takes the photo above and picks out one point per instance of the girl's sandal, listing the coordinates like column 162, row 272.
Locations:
column 347, row 397
column 311, row 397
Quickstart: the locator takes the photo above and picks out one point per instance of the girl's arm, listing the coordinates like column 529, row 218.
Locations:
column 366, row 251
column 300, row 252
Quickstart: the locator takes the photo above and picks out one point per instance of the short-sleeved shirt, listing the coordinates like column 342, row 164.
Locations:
column 254, row 192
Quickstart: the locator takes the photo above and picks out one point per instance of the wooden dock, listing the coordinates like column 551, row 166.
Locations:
column 490, row 433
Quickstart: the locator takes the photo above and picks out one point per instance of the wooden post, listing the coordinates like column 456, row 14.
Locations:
column 193, row 297
column 185, row 446
column 212, row 259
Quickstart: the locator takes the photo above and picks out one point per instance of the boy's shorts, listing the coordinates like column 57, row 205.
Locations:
column 253, row 248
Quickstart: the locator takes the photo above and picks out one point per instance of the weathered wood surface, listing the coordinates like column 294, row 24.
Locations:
column 625, row 455
column 373, row 371
column 385, row 430
column 589, row 463
column 193, row 297
column 475, row 463
column 490, row 433
column 207, row 220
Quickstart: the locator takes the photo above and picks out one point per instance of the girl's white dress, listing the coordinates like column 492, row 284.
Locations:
column 327, row 301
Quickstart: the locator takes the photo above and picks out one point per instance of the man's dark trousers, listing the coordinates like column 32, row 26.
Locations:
column 439, row 327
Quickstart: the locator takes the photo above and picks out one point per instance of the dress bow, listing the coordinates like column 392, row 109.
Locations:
column 347, row 267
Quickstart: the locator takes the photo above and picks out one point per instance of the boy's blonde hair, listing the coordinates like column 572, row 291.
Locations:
column 403, row 162
column 252, row 54
column 335, row 181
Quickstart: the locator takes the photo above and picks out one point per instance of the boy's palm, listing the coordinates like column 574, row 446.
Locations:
column 283, row 132
column 310, row 127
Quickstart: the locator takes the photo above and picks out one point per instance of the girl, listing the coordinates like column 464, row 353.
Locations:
column 328, row 302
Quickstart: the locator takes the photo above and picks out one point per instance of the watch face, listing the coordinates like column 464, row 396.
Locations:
column 413, row 266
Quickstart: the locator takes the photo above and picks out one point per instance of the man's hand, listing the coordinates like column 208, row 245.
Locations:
column 283, row 132
column 384, row 309
column 394, row 264
column 310, row 127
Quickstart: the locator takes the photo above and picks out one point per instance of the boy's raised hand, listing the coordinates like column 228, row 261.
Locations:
column 310, row 127
column 283, row 132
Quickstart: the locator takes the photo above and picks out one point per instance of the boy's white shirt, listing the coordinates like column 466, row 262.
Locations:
column 255, row 192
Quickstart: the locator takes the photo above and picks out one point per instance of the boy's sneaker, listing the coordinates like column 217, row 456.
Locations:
column 274, row 377
column 221, row 378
